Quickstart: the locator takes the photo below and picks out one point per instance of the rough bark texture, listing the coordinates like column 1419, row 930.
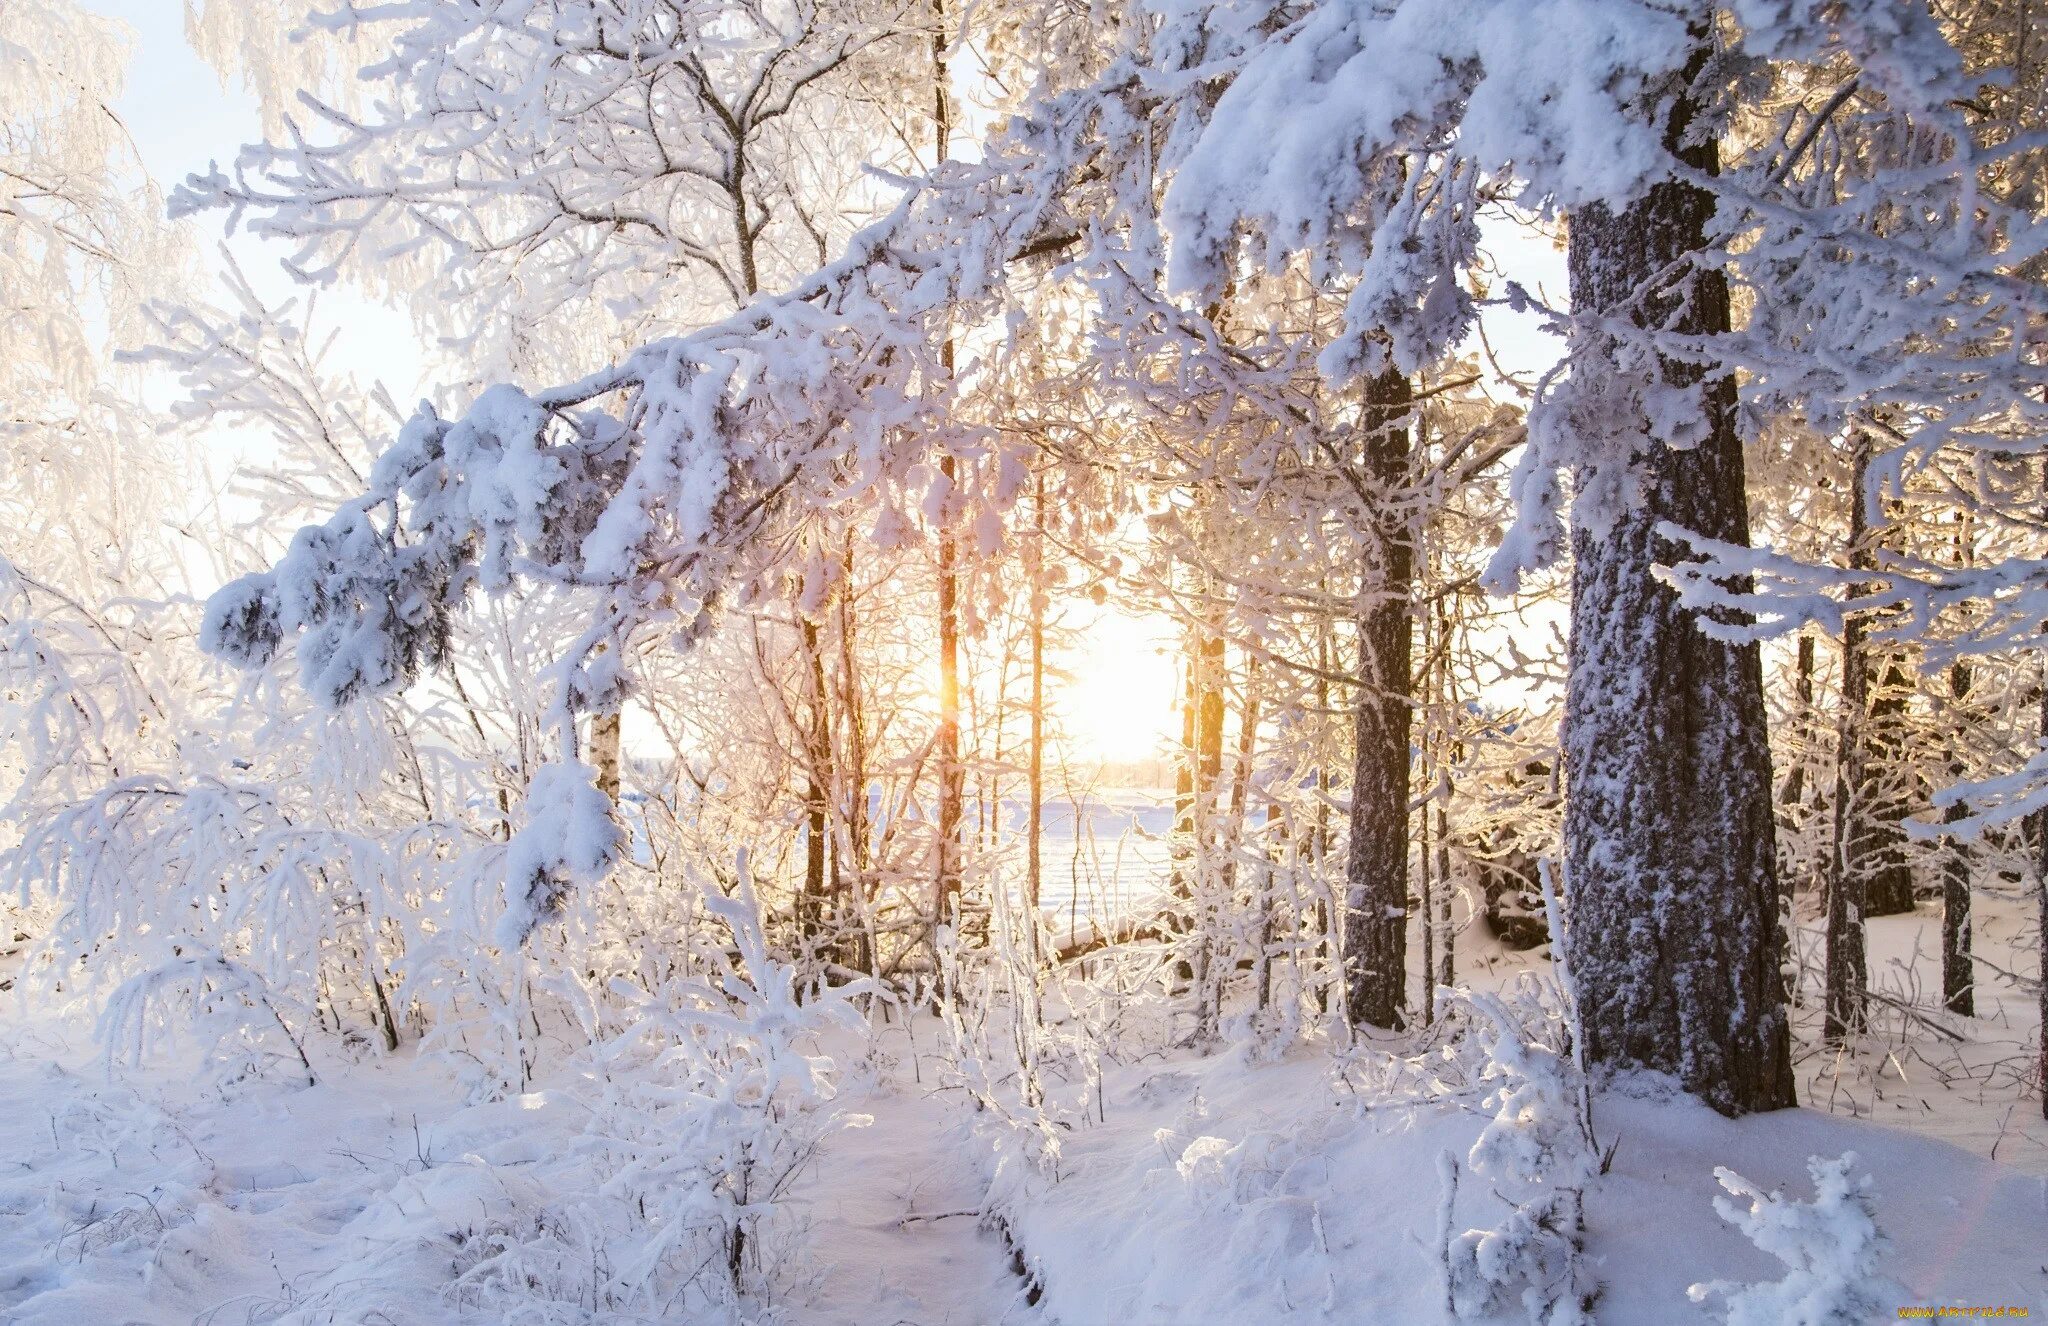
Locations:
column 604, row 752
column 1874, row 690
column 1376, row 871
column 1671, row 869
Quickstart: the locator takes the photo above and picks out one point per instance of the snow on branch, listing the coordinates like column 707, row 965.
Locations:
column 653, row 482
column 1831, row 1247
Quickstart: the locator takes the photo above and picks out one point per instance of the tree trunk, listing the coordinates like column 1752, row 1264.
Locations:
column 1328, row 959
column 1847, row 974
column 604, row 752
column 1451, row 751
column 1802, row 724
column 1958, row 979
column 1034, row 828
column 1183, row 842
column 818, row 753
column 952, row 779
column 851, row 888
column 1207, row 882
column 1674, row 937
column 1874, row 707
column 1376, row 870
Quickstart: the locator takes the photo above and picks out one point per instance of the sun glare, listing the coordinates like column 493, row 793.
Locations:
column 1119, row 703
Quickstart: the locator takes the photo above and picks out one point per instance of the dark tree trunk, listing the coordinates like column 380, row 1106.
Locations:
column 1958, row 974
column 1958, row 979
column 1376, row 871
column 1183, row 844
column 952, row 778
column 1847, row 975
column 1874, row 708
column 850, row 892
column 1328, row 959
column 818, row 754
column 1453, row 752
column 1802, row 725
column 1674, row 936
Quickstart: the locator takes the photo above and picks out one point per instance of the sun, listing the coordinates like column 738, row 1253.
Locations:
column 1118, row 701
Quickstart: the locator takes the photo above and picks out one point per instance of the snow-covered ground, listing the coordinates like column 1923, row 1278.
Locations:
column 1176, row 1187
column 375, row 1197
column 1219, row 1193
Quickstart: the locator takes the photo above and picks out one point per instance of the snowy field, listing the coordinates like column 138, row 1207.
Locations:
column 1176, row 1187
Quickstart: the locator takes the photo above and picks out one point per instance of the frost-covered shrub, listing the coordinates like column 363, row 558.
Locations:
column 233, row 1011
column 703, row 1097
column 1538, row 1154
column 710, row 1104
column 1831, row 1247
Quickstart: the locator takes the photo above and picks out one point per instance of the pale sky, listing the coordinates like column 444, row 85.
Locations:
column 183, row 118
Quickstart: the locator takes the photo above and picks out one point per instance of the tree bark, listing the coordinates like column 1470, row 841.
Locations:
column 818, row 753
column 604, row 752
column 1376, row 870
column 1958, row 977
column 1847, row 975
column 952, row 778
column 1874, row 704
column 1674, row 937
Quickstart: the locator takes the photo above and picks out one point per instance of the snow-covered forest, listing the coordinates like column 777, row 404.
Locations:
column 908, row 662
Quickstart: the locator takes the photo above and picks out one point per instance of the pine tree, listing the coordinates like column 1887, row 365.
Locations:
column 1671, row 868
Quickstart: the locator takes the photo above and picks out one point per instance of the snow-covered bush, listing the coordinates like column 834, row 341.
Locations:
column 1831, row 1247
column 1538, row 1154
column 709, row 1104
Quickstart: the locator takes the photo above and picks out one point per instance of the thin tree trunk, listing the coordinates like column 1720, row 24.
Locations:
column 1426, row 891
column 1793, row 818
column 851, row 892
column 1958, row 979
column 2041, row 883
column 1794, row 789
column 1376, row 871
column 1208, row 882
column 818, row 748
column 952, row 779
column 1958, row 975
column 1034, row 828
column 1319, row 846
column 1182, row 846
column 1867, row 845
column 1876, row 836
column 1674, row 938
column 1847, row 956
column 1454, row 751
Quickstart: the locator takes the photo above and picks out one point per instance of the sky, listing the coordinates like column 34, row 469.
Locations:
column 184, row 118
